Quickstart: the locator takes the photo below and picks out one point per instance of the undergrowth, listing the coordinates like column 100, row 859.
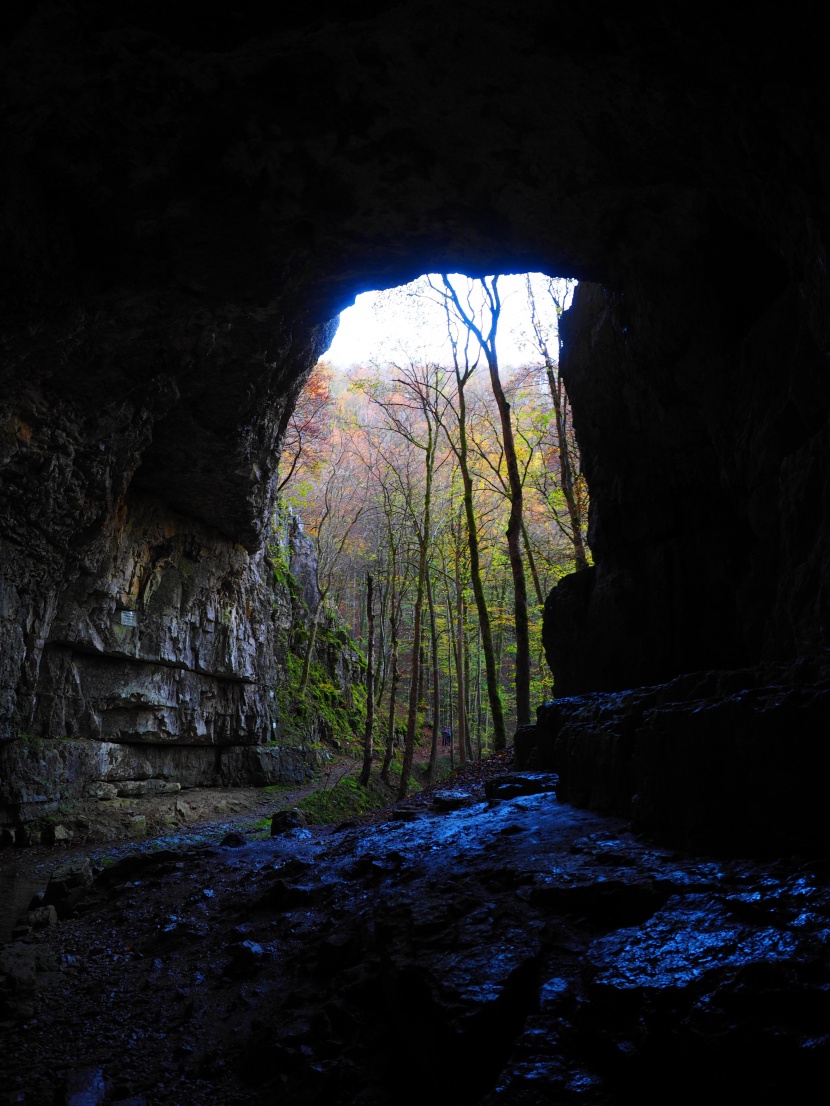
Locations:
column 339, row 717
column 346, row 799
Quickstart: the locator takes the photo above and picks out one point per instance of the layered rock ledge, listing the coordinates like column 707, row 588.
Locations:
column 727, row 761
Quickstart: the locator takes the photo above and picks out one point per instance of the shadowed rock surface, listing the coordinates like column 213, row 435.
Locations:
column 729, row 761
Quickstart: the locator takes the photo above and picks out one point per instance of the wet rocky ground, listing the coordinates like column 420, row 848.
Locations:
column 194, row 816
column 486, row 944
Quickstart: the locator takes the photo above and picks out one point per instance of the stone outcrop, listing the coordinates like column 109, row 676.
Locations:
column 189, row 203
column 39, row 780
column 184, row 692
column 732, row 761
column 165, row 637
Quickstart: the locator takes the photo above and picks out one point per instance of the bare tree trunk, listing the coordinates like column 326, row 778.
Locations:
column 412, row 719
column 468, row 684
column 493, row 682
column 478, row 693
column 394, row 680
column 370, row 690
column 459, row 657
column 514, row 550
column 514, row 524
column 485, row 628
column 534, row 575
column 450, row 654
column 390, row 733
column 423, row 542
column 436, row 702
column 500, row 634
column 383, row 653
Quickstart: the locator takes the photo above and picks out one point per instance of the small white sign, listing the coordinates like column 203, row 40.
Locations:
column 129, row 618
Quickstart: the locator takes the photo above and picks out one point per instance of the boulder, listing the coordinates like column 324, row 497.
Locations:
column 68, row 885
column 42, row 917
column 451, row 800
column 283, row 821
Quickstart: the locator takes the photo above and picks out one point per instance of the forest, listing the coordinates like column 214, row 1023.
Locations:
column 444, row 498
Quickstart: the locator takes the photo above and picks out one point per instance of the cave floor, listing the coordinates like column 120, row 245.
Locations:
column 513, row 951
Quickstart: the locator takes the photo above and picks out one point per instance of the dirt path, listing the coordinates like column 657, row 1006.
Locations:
column 191, row 817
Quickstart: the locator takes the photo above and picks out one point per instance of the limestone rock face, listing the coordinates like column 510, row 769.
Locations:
column 36, row 783
column 304, row 567
column 710, row 547
column 165, row 635
column 178, row 694
column 710, row 761
column 188, row 205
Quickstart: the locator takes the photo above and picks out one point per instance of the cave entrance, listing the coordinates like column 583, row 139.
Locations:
column 433, row 449
column 408, row 320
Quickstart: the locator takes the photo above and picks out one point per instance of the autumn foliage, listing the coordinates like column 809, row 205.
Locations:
column 374, row 465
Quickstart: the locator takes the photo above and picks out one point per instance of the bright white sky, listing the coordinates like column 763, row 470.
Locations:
column 383, row 326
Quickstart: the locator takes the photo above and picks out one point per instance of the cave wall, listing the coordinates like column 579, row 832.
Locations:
column 190, row 202
column 705, row 453
column 189, row 692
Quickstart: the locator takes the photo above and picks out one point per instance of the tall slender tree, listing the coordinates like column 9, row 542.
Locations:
column 408, row 404
column 464, row 365
column 436, row 686
column 370, row 684
column 484, row 324
column 560, row 293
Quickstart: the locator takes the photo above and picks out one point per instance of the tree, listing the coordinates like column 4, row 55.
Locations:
column 560, row 293
column 436, row 687
column 370, row 697
column 427, row 443
column 463, row 368
column 337, row 515
column 308, row 427
column 483, row 321
column 486, row 444
column 408, row 405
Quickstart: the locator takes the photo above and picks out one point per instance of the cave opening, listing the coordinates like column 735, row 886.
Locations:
column 409, row 319
column 440, row 407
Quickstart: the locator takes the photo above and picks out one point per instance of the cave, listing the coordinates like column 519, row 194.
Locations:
column 190, row 201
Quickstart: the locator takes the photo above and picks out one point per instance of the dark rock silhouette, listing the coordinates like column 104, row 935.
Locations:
column 724, row 761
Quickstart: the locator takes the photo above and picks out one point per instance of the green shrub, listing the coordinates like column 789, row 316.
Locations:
column 340, row 718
